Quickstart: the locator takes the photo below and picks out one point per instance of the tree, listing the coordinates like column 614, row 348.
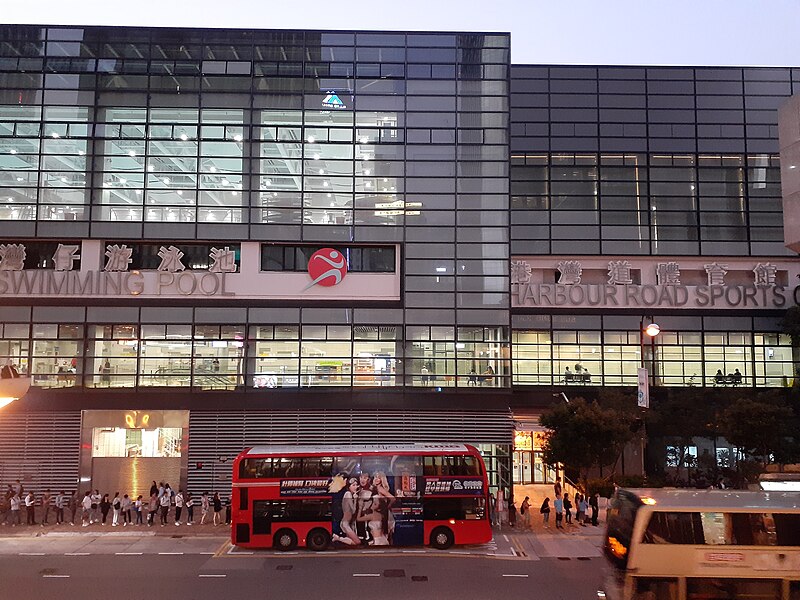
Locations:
column 679, row 418
column 790, row 325
column 761, row 427
column 583, row 435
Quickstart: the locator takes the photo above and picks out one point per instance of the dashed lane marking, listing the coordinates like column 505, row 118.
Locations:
column 366, row 574
column 31, row 554
column 133, row 553
column 170, row 553
column 514, row 575
column 211, row 575
column 55, row 576
column 77, row 554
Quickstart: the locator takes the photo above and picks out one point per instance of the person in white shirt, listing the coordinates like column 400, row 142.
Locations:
column 96, row 498
column 30, row 507
column 86, row 506
column 16, row 503
column 178, row 507
column 116, row 506
column 164, row 501
column 204, row 507
column 137, row 508
column 189, row 501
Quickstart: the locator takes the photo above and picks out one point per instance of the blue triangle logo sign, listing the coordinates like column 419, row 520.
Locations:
column 332, row 100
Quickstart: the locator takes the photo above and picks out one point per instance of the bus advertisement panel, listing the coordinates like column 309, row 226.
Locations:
column 394, row 496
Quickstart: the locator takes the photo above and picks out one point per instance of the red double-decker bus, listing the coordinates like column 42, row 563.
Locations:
column 385, row 495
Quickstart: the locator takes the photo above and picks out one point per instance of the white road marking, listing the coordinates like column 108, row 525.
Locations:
column 513, row 575
column 505, row 537
column 31, row 553
column 171, row 553
column 128, row 553
column 211, row 575
column 366, row 574
column 56, row 576
column 77, row 554
column 413, row 551
column 207, row 553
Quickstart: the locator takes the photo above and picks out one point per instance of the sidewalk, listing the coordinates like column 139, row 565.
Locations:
column 96, row 529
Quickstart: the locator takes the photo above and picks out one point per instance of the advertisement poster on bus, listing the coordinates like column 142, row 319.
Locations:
column 377, row 502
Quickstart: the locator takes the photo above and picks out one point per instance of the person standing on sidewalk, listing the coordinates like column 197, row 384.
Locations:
column 127, row 503
column 501, row 508
column 105, row 506
column 137, row 508
column 567, row 509
column 164, row 503
column 61, row 503
column 558, row 503
column 96, row 497
column 152, row 507
column 525, row 513
column 116, row 505
column 178, row 506
column 30, row 508
column 557, row 487
column 16, row 505
column 217, row 508
column 594, row 502
column 46, row 499
column 204, row 506
column 189, row 501
column 86, row 509
column 545, row 510
column 584, row 510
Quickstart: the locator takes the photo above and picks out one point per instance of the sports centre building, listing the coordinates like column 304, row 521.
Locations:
column 211, row 239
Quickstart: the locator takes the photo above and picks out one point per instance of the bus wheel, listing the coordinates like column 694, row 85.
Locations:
column 318, row 540
column 285, row 539
column 442, row 538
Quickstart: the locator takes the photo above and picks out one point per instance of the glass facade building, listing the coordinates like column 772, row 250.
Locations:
column 432, row 165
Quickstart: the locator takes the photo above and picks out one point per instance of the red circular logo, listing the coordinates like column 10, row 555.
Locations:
column 327, row 267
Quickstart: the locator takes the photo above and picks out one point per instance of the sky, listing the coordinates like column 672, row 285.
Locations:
column 654, row 32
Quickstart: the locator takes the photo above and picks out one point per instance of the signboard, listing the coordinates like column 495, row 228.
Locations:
column 103, row 272
column 453, row 486
column 644, row 283
column 305, row 487
column 643, row 395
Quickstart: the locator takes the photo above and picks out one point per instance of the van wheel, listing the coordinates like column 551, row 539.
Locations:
column 442, row 538
column 285, row 539
column 318, row 540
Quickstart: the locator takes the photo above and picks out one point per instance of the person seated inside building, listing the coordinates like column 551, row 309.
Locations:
column 9, row 371
column 568, row 375
column 719, row 377
column 736, row 378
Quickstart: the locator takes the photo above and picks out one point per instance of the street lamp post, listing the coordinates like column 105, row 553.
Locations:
column 643, row 399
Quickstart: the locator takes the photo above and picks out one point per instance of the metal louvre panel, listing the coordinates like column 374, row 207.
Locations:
column 41, row 449
column 223, row 435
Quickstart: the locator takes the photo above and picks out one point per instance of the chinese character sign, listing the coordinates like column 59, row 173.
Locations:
column 716, row 273
column 65, row 257
column 570, row 272
column 12, row 257
column 118, row 258
column 520, row 271
column 224, row 261
column 170, row 259
column 668, row 273
column 765, row 274
column 619, row 272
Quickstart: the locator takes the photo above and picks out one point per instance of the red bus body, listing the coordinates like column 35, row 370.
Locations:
column 383, row 495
